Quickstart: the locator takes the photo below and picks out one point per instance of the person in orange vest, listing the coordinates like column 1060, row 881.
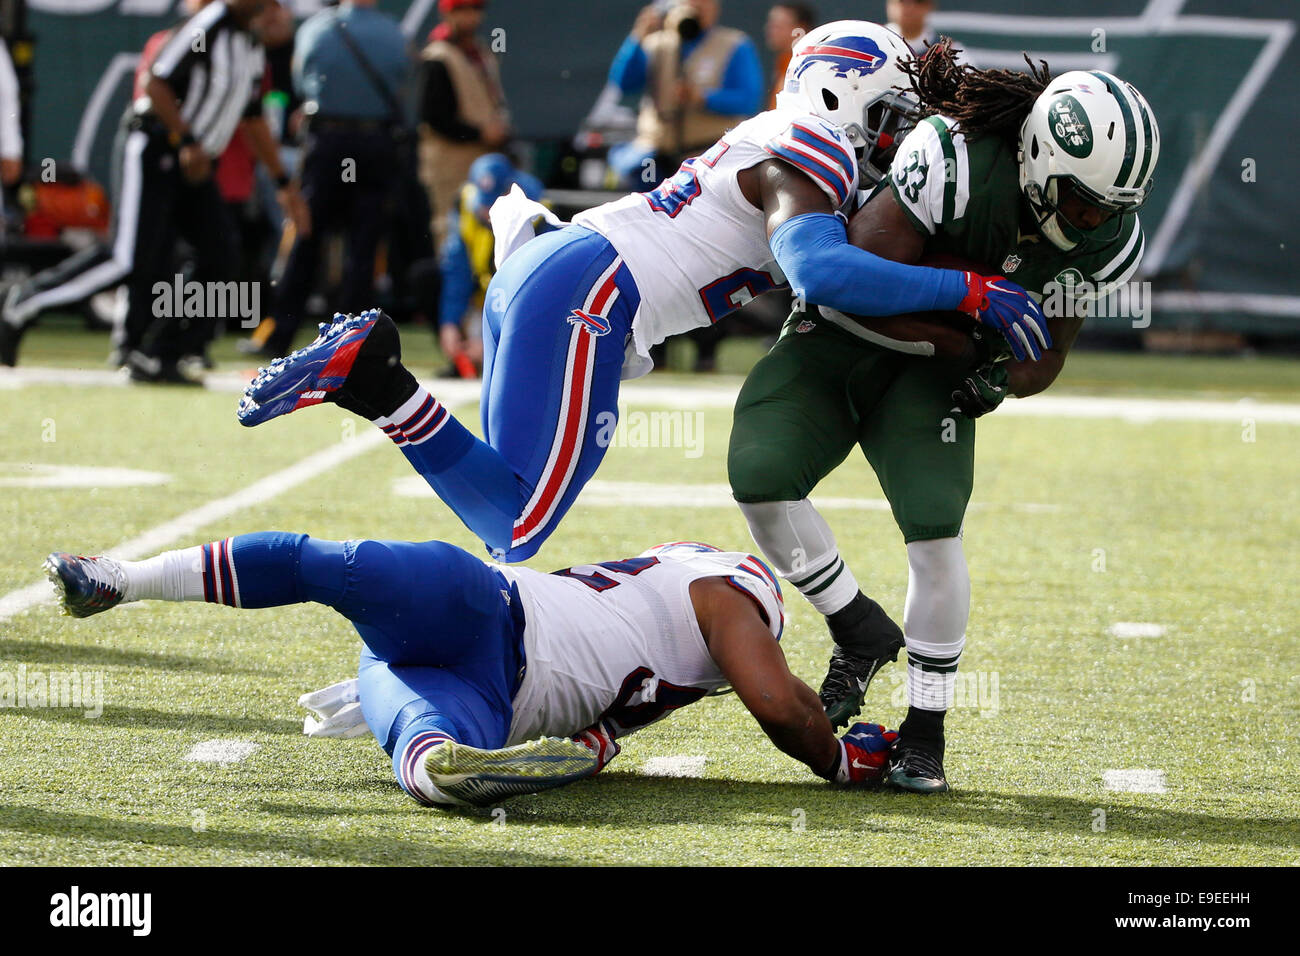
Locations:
column 462, row 106
column 786, row 23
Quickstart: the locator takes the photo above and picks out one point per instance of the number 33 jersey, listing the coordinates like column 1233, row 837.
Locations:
column 619, row 641
column 695, row 246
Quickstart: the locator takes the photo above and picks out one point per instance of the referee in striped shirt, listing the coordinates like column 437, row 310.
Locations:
column 204, row 82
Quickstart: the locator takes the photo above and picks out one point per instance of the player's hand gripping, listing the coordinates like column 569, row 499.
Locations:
column 599, row 739
column 864, row 751
column 1001, row 304
column 982, row 390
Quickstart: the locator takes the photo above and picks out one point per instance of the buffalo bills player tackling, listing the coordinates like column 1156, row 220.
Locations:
column 484, row 682
column 576, row 309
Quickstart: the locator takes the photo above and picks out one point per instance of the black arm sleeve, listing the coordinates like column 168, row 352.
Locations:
column 438, row 104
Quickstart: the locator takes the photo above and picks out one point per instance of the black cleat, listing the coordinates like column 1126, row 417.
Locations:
column 916, row 768
column 846, row 682
column 85, row 586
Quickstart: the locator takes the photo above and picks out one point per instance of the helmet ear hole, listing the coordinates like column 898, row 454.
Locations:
column 1110, row 133
column 830, row 99
column 1033, row 148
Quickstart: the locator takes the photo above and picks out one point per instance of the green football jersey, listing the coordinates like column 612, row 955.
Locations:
column 965, row 197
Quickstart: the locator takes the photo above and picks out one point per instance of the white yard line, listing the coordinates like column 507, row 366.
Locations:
column 1136, row 629
column 693, row 397
column 1135, row 781
column 224, row 752
column 677, row 766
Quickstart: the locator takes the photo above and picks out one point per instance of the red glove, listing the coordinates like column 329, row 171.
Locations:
column 599, row 739
column 864, row 752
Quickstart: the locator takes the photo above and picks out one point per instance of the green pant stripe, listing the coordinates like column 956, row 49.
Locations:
column 825, row 584
column 801, row 584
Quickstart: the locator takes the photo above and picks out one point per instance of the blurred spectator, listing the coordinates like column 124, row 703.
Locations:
column 786, row 22
column 697, row 80
column 172, row 134
column 466, row 259
column 462, row 106
column 910, row 20
column 11, row 130
column 350, row 66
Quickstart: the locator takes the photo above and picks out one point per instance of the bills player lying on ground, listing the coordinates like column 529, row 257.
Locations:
column 482, row 682
column 575, row 309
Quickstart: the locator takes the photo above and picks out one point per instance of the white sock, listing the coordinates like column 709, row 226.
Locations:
column 934, row 620
column 170, row 576
column 799, row 544
column 413, row 776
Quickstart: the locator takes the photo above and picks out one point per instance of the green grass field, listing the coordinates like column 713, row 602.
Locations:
column 1078, row 524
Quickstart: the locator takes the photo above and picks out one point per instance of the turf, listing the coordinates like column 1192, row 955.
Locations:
column 1078, row 524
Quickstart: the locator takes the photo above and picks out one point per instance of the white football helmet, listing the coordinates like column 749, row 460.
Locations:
column 847, row 73
column 1096, row 132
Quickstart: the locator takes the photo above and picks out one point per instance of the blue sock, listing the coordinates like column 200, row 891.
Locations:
column 468, row 474
column 253, row 570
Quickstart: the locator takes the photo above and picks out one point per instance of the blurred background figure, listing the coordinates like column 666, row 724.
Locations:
column 696, row 80
column 462, row 106
column 351, row 66
column 466, row 260
column 786, row 22
column 172, row 134
column 11, row 133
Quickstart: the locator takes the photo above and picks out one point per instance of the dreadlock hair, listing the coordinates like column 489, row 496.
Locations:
column 984, row 102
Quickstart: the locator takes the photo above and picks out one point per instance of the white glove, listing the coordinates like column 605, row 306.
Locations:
column 339, row 709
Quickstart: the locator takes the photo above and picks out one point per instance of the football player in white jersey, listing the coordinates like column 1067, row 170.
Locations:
column 573, row 311
column 483, row 682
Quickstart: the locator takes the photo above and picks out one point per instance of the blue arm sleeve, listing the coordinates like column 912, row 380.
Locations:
column 457, row 278
column 628, row 71
column 742, row 84
column 814, row 252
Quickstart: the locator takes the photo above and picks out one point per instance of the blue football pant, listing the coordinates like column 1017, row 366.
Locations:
column 443, row 631
column 556, row 322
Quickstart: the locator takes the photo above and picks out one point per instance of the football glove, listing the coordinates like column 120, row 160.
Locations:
column 982, row 390
column 864, row 752
column 1001, row 304
column 338, row 708
column 599, row 739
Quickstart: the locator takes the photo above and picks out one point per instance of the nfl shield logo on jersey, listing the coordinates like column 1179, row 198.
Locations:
column 1011, row 263
column 807, row 325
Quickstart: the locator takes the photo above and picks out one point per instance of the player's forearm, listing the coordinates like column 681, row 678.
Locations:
column 166, row 107
column 1030, row 378
column 813, row 252
column 264, row 146
column 802, row 731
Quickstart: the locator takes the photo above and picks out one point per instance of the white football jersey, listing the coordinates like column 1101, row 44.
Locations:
column 619, row 641
column 695, row 246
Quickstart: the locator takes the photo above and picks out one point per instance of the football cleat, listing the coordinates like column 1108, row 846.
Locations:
column 85, row 586
column 847, row 678
column 327, row 370
column 916, row 768
column 484, row 777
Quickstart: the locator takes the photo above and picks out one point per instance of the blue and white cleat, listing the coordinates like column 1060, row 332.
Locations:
column 317, row 372
column 484, row 777
column 85, row 586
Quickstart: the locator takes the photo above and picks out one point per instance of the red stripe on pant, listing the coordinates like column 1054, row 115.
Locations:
column 571, row 444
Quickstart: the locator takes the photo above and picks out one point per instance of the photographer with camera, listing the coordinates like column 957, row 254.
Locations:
column 696, row 79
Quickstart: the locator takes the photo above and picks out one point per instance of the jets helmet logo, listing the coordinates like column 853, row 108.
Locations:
column 1070, row 126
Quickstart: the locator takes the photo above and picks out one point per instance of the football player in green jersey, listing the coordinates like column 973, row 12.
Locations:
column 1033, row 177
